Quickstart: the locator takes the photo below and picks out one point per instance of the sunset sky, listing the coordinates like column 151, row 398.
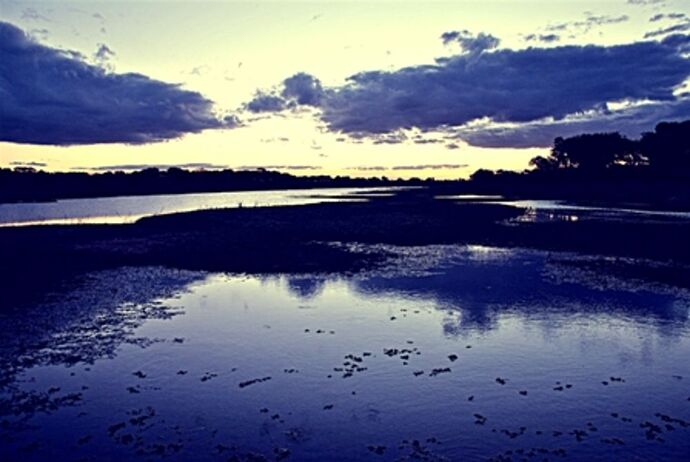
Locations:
column 396, row 88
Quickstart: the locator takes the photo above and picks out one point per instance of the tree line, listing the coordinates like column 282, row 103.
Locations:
column 662, row 153
column 30, row 185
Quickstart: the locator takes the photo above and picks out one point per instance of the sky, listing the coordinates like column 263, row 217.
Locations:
column 394, row 88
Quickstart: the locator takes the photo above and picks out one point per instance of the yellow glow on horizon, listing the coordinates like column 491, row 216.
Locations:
column 228, row 50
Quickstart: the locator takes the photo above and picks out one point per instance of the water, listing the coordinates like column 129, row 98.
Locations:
column 449, row 353
column 128, row 209
column 553, row 210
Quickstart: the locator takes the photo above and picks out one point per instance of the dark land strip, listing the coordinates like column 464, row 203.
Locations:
column 299, row 239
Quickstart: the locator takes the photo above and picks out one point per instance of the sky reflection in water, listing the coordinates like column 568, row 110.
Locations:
column 453, row 353
column 128, row 209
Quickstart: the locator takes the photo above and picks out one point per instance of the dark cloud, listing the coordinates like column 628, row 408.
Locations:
column 266, row 102
column 278, row 167
column 674, row 29
column 51, row 96
column 281, row 139
column 545, row 38
column 630, row 122
column 381, row 168
column 668, row 16
column 18, row 163
column 520, row 87
column 427, row 141
column 303, row 89
column 300, row 89
column 470, row 43
column 585, row 25
column 367, row 168
column 506, row 86
column 137, row 167
column 430, row 167
column 103, row 56
column 103, row 51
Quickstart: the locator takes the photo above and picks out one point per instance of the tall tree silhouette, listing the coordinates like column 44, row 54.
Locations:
column 667, row 148
column 590, row 152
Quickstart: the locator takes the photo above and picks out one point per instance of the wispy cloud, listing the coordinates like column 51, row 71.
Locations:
column 544, row 38
column 137, row 167
column 18, row 163
column 683, row 26
column 587, row 24
column 32, row 14
column 278, row 167
column 381, row 168
column 645, row 2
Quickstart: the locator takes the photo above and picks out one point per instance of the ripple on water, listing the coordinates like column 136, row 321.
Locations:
column 446, row 353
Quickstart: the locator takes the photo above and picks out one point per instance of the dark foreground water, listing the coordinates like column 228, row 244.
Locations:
column 454, row 353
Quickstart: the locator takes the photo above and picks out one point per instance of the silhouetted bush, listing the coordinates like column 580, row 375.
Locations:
column 28, row 184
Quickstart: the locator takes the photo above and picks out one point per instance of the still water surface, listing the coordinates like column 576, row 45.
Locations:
column 539, row 210
column 451, row 353
column 128, row 209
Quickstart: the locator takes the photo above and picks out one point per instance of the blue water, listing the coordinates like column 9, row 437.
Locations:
column 425, row 359
column 128, row 209
column 555, row 210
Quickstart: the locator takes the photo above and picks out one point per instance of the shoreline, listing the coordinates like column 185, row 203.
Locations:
column 296, row 240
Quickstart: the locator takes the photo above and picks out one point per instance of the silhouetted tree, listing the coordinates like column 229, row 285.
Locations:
column 29, row 184
column 482, row 175
column 590, row 152
column 667, row 148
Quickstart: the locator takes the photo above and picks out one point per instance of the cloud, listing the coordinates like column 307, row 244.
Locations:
column 381, row 168
column 630, row 121
column 470, row 43
column 506, row 86
column 523, row 87
column 368, row 168
column 645, row 2
column 32, row 14
column 673, row 29
column 137, row 167
column 430, row 167
column 303, row 89
column 199, row 70
column 280, row 139
column 585, row 25
column 51, row 96
column 670, row 16
column 266, row 102
column 32, row 164
column 39, row 34
column 545, row 38
column 103, row 56
column 300, row 89
column 278, row 167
